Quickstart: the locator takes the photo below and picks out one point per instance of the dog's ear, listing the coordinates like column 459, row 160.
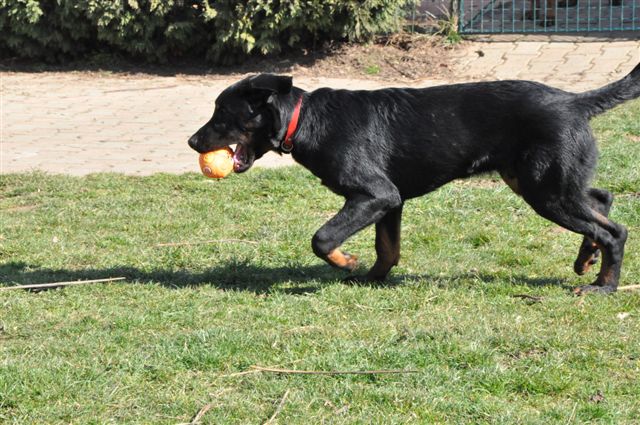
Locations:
column 280, row 84
column 273, row 85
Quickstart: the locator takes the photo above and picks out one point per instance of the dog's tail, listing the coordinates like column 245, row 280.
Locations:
column 597, row 101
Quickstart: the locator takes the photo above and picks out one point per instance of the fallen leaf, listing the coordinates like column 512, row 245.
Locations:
column 598, row 397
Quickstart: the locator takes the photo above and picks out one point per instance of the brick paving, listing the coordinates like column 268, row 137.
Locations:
column 80, row 123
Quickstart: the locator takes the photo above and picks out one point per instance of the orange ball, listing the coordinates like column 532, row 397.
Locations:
column 217, row 164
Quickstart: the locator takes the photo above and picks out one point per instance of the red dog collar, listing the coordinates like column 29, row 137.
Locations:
column 287, row 143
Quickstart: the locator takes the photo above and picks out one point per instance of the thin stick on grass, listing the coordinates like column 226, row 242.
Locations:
column 59, row 284
column 278, row 409
column 253, row 371
column 196, row 419
column 200, row 414
column 628, row 287
column 332, row 372
column 207, row 242
column 573, row 413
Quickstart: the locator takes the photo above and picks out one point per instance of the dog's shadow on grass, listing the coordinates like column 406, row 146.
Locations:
column 232, row 276
column 249, row 277
column 468, row 280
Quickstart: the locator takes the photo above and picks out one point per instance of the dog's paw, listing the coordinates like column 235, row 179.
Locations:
column 594, row 289
column 342, row 260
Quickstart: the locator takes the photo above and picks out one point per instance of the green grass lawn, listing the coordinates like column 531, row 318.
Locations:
column 161, row 345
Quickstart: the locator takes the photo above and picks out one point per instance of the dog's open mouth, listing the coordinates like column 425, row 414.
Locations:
column 243, row 158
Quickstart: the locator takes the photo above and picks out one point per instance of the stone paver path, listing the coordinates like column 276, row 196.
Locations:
column 79, row 123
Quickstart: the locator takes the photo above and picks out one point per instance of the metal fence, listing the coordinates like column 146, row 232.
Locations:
column 531, row 16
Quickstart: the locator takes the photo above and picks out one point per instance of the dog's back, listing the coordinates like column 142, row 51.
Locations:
column 427, row 137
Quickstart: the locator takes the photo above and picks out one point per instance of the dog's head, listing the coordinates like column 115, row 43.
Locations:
column 248, row 114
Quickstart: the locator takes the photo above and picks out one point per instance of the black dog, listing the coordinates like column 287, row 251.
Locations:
column 379, row 148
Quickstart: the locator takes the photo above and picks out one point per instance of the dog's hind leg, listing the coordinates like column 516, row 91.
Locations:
column 610, row 239
column 600, row 200
column 575, row 212
column 588, row 254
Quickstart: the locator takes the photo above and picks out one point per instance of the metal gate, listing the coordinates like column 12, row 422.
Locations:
column 531, row 16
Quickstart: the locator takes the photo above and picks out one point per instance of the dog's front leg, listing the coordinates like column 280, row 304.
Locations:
column 387, row 245
column 357, row 213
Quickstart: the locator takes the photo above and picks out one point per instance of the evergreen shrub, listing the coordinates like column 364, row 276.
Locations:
column 159, row 31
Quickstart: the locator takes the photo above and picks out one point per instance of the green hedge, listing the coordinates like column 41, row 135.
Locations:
column 216, row 31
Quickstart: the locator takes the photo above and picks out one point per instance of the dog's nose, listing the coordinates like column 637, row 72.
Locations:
column 193, row 142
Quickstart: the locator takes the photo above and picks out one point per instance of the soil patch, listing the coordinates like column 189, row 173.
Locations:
column 399, row 57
